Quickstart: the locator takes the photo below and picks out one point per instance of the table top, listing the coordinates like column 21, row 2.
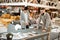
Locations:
column 26, row 35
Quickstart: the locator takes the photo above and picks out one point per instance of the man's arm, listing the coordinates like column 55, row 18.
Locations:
column 48, row 22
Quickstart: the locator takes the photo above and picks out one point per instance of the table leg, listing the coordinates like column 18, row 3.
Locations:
column 48, row 36
column 59, row 36
column 42, row 38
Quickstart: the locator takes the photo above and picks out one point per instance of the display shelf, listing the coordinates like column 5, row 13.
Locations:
column 13, row 4
column 28, row 4
column 39, row 5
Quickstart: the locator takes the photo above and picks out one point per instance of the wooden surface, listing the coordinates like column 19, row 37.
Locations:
column 32, row 36
column 39, row 36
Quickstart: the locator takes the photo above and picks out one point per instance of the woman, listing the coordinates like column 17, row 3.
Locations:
column 24, row 17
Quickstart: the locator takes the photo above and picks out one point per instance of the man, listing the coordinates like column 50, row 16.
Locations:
column 45, row 20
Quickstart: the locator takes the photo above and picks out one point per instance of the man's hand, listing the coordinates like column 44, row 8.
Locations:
column 43, row 30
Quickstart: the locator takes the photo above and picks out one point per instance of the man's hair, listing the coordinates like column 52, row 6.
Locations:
column 42, row 9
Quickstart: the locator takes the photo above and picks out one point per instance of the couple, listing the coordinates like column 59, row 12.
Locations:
column 44, row 17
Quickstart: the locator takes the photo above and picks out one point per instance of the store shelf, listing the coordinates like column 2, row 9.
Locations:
column 11, row 4
column 38, row 5
column 28, row 4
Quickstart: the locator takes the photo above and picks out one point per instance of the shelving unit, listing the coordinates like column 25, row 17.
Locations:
column 28, row 4
column 43, row 6
column 11, row 4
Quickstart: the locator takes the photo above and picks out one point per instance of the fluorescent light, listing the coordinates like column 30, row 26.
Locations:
column 59, row 2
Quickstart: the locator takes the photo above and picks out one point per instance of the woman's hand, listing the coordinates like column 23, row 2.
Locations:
column 27, row 23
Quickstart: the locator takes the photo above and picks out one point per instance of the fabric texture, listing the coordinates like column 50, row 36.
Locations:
column 46, row 20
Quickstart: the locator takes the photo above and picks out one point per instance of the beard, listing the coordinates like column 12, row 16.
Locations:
column 42, row 14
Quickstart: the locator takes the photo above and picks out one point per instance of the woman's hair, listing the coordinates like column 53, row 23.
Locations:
column 25, row 8
column 42, row 9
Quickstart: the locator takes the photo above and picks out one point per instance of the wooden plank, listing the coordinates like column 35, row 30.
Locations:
column 38, row 36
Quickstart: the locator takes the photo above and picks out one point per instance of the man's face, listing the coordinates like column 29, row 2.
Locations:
column 42, row 11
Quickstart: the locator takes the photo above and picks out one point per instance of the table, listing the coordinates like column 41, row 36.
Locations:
column 55, row 33
column 38, row 36
column 33, row 36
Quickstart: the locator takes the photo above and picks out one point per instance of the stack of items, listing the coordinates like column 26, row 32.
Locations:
column 6, row 16
column 7, row 19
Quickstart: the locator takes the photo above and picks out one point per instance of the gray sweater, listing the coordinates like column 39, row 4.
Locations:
column 45, row 19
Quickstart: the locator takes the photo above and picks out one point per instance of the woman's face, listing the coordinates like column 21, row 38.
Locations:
column 22, row 8
column 25, row 11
